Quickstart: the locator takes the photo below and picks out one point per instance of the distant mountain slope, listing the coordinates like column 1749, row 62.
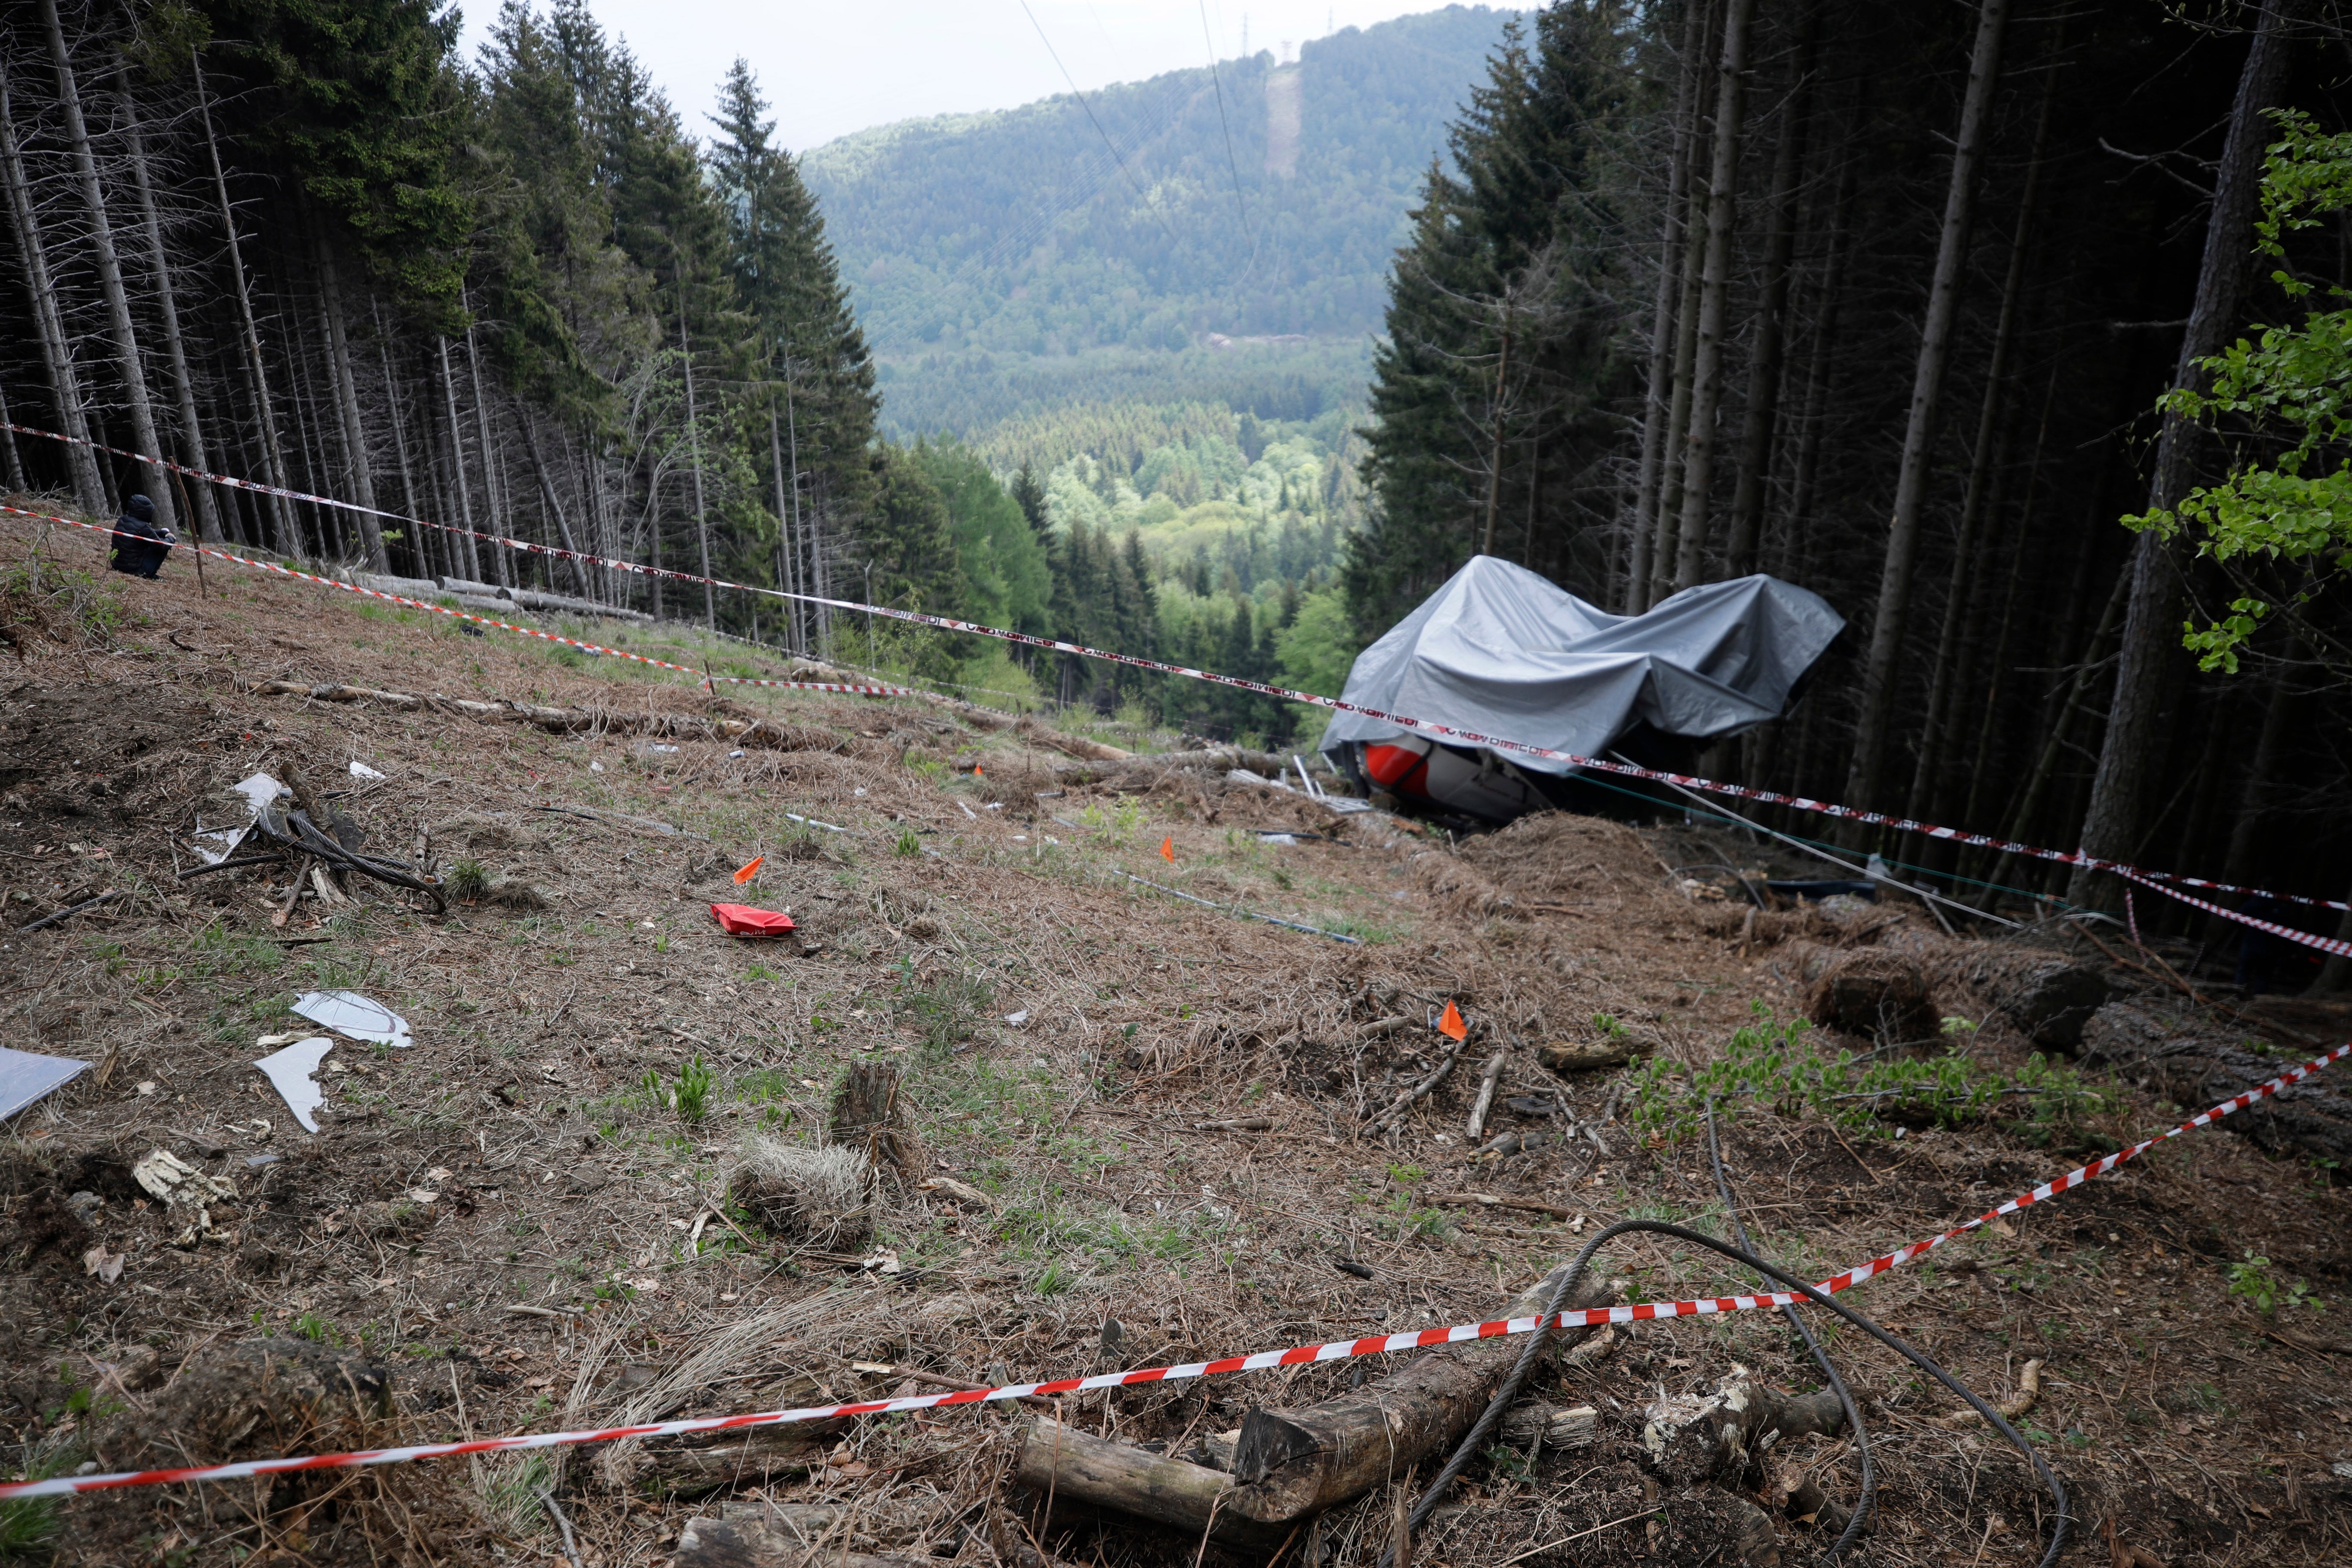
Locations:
column 995, row 257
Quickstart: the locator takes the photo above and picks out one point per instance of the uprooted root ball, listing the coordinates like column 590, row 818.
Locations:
column 809, row 1197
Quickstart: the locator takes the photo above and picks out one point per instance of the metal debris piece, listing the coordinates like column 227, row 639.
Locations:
column 215, row 845
column 290, row 1071
column 361, row 1018
column 26, row 1078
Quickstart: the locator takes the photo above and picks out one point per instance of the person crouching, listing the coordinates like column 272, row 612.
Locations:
column 141, row 542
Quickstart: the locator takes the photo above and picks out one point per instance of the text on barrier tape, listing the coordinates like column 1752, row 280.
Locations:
column 1297, row 1355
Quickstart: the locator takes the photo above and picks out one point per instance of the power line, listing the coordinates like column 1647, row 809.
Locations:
column 1097, row 123
column 1231, row 162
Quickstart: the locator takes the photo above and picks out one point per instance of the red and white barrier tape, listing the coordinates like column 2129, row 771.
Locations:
column 1297, row 1355
column 2324, row 943
column 1459, row 736
column 597, row 649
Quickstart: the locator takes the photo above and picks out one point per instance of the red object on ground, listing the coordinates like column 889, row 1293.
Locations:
column 743, row 920
column 1168, row 849
column 1451, row 1026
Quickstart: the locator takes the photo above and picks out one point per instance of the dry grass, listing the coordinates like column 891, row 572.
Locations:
column 565, row 1184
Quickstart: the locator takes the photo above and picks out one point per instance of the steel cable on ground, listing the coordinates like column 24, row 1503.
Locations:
column 1865, row 1502
column 2079, row 857
column 1297, row 1356
column 1468, row 1449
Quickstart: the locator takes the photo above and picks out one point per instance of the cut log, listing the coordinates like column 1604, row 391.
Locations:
column 2185, row 1060
column 1293, row 1464
column 813, row 1522
column 1583, row 1055
column 1727, row 1433
column 754, row 1544
column 756, row 1458
column 1078, row 1466
column 1571, row 1429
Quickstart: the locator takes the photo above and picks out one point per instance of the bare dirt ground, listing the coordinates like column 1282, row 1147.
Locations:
column 524, row 1221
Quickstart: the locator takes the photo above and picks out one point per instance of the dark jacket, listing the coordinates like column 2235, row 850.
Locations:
column 141, row 542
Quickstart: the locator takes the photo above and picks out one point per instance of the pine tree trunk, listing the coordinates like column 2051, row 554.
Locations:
column 1944, row 674
column 1772, row 315
column 694, row 436
column 2150, row 677
column 15, row 462
column 281, row 515
column 2046, row 766
column 1883, row 666
column 467, row 552
column 1988, row 694
column 554, row 507
column 1663, row 320
column 65, row 382
column 344, row 390
column 110, row 272
column 497, row 518
column 1494, row 463
column 415, row 530
column 1714, row 286
column 1830, row 299
column 2254, row 805
column 193, row 451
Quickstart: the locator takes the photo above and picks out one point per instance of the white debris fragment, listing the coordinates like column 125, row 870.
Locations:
column 105, row 1264
column 290, row 1071
column 361, row 1018
column 215, row 845
column 178, row 1184
column 1017, row 1019
column 360, row 770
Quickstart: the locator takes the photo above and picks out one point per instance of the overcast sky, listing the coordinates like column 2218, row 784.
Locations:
column 832, row 67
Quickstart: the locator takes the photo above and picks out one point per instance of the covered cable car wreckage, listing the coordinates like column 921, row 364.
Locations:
column 1500, row 651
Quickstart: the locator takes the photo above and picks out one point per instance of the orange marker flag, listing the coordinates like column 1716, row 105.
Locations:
column 978, row 771
column 1451, row 1026
column 1168, row 849
column 748, row 872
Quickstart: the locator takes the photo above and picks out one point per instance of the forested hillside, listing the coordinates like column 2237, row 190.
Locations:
column 1920, row 308
column 1088, row 251
column 525, row 294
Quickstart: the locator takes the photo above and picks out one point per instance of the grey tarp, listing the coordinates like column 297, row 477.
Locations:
column 1501, row 651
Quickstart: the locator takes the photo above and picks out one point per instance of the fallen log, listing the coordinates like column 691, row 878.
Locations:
column 1293, row 1464
column 755, row 1543
column 2184, row 1058
column 1079, row 1467
column 1289, row 1465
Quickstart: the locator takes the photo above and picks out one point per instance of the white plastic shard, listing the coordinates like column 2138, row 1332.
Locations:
column 26, row 1078
column 361, row 1018
column 290, row 1072
column 215, row 845
column 360, row 770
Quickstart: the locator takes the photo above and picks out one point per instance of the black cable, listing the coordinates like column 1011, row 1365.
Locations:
column 1575, row 1271
column 1217, row 80
column 1863, row 1504
column 1096, row 123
